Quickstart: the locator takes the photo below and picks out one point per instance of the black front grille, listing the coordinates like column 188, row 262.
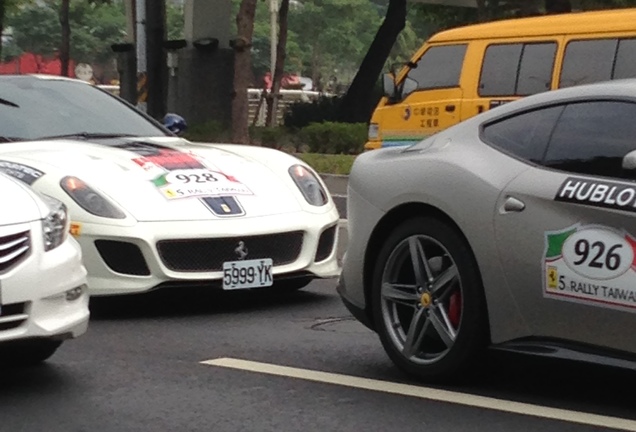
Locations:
column 14, row 310
column 209, row 254
column 325, row 244
column 123, row 257
column 13, row 249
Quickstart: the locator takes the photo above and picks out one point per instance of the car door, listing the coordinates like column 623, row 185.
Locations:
column 566, row 229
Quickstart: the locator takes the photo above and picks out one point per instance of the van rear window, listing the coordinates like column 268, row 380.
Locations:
column 625, row 66
column 588, row 61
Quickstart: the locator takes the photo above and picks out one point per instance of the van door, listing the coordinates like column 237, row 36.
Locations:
column 436, row 102
column 514, row 69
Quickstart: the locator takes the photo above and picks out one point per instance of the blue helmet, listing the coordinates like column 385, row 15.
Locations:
column 175, row 123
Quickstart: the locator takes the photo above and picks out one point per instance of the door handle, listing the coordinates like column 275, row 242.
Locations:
column 512, row 204
column 450, row 108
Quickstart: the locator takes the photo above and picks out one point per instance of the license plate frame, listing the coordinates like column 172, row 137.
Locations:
column 260, row 277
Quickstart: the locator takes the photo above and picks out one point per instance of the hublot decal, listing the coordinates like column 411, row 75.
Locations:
column 598, row 193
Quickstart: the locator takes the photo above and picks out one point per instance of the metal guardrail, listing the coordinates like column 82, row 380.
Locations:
column 258, row 109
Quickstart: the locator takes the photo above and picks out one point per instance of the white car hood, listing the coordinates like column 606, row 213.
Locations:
column 19, row 204
column 132, row 173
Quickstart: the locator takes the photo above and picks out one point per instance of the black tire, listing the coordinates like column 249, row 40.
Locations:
column 471, row 332
column 28, row 352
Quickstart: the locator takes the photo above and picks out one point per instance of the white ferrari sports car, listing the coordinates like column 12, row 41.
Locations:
column 151, row 209
column 43, row 295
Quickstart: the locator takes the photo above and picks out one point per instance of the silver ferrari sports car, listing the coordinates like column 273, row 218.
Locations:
column 515, row 229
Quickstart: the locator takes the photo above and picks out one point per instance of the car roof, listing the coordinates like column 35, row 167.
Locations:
column 43, row 77
column 547, row 25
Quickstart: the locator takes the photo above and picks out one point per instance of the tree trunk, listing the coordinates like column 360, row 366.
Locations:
column 65, row 49
column 557, row 6
column 279, row 70
column 242, row 71
column 357, row 104
column 2, row 8
column 482, row 11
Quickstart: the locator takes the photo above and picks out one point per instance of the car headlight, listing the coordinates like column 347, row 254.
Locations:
column 309, row 185
column 374, row 131
column 89, row 199
column 55, row 225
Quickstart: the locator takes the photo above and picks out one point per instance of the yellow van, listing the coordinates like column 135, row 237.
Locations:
column 462, row 72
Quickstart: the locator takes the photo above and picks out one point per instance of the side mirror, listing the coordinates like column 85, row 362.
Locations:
column 175, row 123
column 629, row 161
column 388, row 83
column 408, row 86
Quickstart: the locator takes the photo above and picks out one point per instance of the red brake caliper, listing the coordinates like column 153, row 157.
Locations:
column 455, row 308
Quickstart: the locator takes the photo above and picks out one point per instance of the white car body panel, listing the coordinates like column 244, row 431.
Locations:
column 275, row 205
column 33, row 288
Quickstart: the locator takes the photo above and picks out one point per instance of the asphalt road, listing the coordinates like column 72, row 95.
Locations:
column 139, row 369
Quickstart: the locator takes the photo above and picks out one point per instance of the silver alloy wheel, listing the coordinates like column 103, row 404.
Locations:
column 418, row 281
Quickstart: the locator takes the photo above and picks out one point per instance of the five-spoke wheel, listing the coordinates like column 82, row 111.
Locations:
column 427, row 299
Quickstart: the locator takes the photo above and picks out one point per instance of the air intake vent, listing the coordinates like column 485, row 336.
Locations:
column 14, row 248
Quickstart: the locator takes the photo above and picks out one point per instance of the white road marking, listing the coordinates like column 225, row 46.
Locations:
column 427, row 393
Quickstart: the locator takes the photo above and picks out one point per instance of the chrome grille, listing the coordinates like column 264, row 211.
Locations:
column 14, row 248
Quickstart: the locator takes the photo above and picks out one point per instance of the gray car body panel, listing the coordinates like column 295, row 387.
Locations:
column 460, row 175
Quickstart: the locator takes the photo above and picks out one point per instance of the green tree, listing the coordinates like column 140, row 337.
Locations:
column 95, row 27
column 334, row 36
column 358, row 101
column 175, row 21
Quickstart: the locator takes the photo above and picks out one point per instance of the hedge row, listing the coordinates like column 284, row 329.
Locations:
column 309, row 127
column 327, row 137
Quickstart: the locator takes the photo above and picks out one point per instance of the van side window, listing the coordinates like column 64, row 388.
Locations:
column 625, row 66
column 535, row 70
column 523, row 135
column 517, row 69
column 439, row 67
column 593, row 137
column 588, row 61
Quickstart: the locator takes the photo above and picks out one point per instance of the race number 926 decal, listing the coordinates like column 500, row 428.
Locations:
column 591, row 264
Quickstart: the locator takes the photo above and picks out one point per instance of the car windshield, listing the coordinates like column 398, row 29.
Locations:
column 32, row 108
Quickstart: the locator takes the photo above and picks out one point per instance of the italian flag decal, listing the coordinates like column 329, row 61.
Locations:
column 592, row 264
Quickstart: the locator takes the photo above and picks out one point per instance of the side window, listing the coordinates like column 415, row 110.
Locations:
column 592, row 138
column 499, row 71
column 625, row 66
column 535, row 70
column 439, row 67
column 524, row 135
column 517, row 69
column 588, row 61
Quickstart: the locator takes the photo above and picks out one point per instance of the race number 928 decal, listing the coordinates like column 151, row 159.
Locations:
column 594, row 264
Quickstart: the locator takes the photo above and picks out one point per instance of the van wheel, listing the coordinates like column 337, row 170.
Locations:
column 28, row 352
column 428, row 300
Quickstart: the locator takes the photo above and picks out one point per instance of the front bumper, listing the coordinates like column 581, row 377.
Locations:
column 359, row 312
column 33, row 293
column 143, row 237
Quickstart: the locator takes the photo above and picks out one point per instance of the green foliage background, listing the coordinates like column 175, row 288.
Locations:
column 327, row 38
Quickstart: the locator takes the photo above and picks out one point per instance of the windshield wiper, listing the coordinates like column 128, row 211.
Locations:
column 87, row 135
column 9, row 103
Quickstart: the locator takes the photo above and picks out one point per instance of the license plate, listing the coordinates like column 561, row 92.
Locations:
column 247, row 274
